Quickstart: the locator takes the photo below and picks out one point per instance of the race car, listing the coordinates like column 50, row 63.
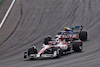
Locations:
column 47, row 51
column 55, row 48
column 75, row 31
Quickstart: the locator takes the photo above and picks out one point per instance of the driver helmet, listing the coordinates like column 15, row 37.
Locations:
column 67, row 29
column 53, row 43
column 49, row 36
column 34, row 47
column 57, row 36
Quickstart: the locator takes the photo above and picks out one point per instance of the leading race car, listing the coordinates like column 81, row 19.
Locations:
column 55, row 48
column 75, row 31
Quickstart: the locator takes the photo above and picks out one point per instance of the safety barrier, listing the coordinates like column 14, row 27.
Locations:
column 1, row 1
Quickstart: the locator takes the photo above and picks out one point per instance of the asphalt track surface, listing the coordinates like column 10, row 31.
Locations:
column 32, row 20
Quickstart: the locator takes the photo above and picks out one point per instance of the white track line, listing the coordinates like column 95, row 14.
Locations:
column 8, row 11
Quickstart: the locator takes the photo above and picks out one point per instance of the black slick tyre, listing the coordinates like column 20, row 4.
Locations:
column 77, row 46
column 83, row 35
column 32, row 51
column 25, row 55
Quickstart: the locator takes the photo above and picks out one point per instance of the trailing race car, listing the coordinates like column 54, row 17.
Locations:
column 55, row 48
column 75, row 31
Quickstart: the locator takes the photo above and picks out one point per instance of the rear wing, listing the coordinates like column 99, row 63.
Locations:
column 74, row 36
column 64, row 37
column 77, row 28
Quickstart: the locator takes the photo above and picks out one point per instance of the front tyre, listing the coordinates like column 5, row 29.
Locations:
column 32, row 51
column 25, row 55
column 77, row 46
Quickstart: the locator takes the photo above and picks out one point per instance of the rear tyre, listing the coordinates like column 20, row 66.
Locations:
column 77, row 46
column 83, row 35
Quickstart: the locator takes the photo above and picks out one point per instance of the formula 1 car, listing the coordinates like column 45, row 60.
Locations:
column 55, row 48
column 75, row 31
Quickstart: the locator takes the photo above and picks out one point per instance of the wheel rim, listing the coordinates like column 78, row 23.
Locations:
column 80, row 47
